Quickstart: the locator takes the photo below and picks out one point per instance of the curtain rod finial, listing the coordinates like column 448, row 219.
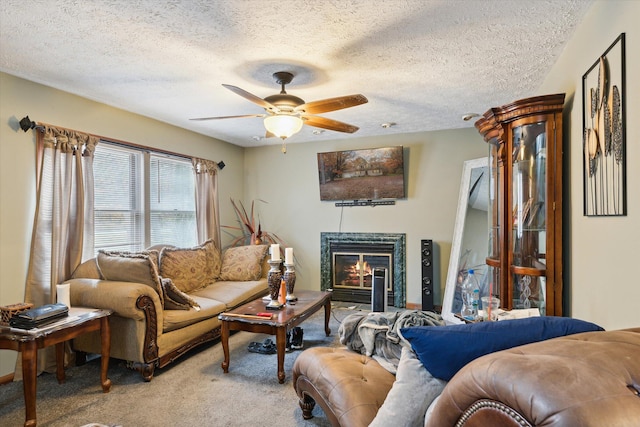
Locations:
column 26, row 123
column 221, row 165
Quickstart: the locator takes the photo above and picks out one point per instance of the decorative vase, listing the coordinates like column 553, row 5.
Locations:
column 290, row 280
column 274, row 277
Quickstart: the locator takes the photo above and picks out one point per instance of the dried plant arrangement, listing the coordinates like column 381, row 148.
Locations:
column 250, row 227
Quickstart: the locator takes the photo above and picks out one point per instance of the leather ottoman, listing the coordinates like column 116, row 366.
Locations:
column 348, row 386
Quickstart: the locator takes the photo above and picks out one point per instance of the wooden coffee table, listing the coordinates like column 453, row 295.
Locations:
column 80, row 321
column 281, row 321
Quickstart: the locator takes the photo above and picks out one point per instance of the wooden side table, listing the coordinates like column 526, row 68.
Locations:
column 80, row 321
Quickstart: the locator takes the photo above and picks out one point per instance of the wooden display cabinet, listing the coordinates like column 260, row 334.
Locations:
column 525, row 209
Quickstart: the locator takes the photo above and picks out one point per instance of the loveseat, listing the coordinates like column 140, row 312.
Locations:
column 586, row 379
column 165, row 300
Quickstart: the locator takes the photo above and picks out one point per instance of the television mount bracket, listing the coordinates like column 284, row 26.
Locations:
column 371, row 203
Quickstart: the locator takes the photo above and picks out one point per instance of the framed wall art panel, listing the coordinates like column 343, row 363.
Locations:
column 604, row 140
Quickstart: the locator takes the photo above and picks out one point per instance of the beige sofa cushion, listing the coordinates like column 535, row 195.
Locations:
column 233, row 293
column 176, row 319
column 243, row 263
column 190, row 268
column 136, row 267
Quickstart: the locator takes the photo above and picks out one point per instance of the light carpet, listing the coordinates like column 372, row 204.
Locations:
column 192, row 391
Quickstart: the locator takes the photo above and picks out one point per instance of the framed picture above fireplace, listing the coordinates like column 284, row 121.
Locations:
column 364, row 174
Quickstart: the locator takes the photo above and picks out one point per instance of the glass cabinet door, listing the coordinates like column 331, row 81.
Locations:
column 528, row 205
column 495, row 213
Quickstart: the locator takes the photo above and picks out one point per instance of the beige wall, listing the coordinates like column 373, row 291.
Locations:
column 433, row 168
column 602, row 251
column 17, row 166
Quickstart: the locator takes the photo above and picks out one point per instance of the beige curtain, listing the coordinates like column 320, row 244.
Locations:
column 207, row 213
column 63, row 224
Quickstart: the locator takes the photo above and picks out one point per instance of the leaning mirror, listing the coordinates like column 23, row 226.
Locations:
column 469, row 247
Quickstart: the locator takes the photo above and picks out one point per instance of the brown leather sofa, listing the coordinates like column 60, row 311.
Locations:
column 589, row 379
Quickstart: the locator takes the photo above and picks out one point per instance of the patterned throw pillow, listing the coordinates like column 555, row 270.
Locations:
column 214, row 257
column 137, row 267
column 187, row 267
column 243, row 263
column 175, row 299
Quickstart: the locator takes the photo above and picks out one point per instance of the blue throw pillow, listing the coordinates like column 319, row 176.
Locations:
column 444, row 350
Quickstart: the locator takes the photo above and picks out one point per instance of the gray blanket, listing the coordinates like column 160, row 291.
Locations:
column 378, row 334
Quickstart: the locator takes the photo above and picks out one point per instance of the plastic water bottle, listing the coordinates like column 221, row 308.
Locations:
column 470, row 297
column 476, row 303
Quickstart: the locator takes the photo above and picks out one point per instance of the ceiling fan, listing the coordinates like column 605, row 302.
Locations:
column 285, row 114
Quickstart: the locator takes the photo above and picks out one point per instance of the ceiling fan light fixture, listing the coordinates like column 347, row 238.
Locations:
column 283, row 125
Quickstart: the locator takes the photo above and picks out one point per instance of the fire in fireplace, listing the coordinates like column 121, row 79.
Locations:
column 355, row 270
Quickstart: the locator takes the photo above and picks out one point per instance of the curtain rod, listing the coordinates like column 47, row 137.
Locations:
column 26, row 123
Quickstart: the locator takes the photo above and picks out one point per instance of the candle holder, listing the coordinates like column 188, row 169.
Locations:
column 274, row 277
column 290, row 281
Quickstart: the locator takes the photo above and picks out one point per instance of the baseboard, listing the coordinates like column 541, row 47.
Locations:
column 416, row 306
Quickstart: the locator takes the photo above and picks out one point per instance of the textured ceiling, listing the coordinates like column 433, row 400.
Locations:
column 421, row 63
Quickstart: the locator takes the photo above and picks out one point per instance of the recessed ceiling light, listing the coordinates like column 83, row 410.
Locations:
column 318, row 131
column 387, row 124
column 256, row 138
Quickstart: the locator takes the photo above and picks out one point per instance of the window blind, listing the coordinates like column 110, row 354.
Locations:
column 142, row 199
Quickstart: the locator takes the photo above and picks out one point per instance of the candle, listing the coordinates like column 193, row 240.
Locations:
column 275, row 252
column 282, row 296
column 288, row 256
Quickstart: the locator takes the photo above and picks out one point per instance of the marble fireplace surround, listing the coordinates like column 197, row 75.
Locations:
column 398, row 240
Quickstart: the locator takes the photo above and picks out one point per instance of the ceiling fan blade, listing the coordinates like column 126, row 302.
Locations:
column 332, row 104
column 229, row 117
column 251, row 97
column 330, row 124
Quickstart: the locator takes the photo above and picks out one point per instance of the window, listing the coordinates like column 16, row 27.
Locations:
column 142, row 199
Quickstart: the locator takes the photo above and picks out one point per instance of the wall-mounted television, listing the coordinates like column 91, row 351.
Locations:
column 364, row 174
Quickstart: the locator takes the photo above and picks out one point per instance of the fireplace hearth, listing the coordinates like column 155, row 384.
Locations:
column 348, row 260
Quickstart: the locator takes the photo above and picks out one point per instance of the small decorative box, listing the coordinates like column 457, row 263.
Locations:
column 8, row 311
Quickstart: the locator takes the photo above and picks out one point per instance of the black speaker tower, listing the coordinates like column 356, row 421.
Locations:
column 426, row 252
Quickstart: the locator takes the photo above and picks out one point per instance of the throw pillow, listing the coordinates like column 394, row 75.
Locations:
column 444, row 350
column 243, row 263
column 188, row 268
column 411, row 394
column 214, row 257
column 175, row 299
column 137, row 267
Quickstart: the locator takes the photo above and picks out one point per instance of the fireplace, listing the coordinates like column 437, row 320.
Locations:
column 348, row 260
